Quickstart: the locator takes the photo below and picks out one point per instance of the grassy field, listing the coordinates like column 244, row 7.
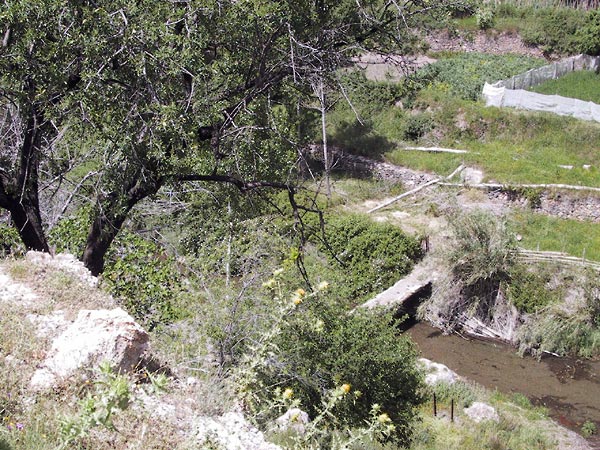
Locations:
column 584, row 85
column 509, row 146
column 563, row 235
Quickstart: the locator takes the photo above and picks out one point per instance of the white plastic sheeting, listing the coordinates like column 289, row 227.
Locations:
column 511, row 93
column 519, row 98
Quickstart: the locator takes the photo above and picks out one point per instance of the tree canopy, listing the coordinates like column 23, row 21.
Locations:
column 128, row 96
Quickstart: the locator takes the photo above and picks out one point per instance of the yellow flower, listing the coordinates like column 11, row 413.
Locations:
column 384, row 418
column 269, row 284
column 300, row 292
column 346, row 388
column 297, row 301
column 288, row 393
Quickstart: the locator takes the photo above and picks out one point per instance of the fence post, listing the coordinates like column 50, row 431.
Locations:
column 434, row 406
column 452, row 410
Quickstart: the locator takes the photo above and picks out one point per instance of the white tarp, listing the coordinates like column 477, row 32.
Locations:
column 519, row 98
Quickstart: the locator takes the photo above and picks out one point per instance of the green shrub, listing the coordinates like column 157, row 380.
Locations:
column 417, row 125
column 320, row 348
column 10, row 242
column 555, row 30
column 372, row 255
column 145, row 279
column 137, row 271
column 527, row 290
column 462, row 393
column 588, row 35
column 589, row 428
column 485, row 16
column 70, row 233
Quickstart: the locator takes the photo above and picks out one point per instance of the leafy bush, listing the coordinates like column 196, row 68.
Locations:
column 466, row 73
column 10, row 242
column 417, row 125
column 554, row 30
column 372, row 255
column 485, row 16
column 137, row 271
column 319, row 348
column 527, row 290
column 70, row 233
column 144, row 278
column 588, row 35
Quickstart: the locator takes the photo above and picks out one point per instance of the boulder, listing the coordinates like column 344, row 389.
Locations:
column 479, row 412
column 230, row 431
column 294, row 419
column 470, row 175
column 437, row 373
column 95, row 336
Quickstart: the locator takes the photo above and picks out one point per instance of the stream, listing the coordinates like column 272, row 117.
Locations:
column 568, row 387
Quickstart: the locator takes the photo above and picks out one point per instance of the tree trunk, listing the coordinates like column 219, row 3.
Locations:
column 19, row 192
column 28, row 222
column 111, row 212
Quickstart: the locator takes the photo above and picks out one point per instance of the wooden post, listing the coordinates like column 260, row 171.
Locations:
column 452, row 410
column 434, row 406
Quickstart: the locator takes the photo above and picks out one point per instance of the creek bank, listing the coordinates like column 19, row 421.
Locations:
column 561, row 204
column 568, row 387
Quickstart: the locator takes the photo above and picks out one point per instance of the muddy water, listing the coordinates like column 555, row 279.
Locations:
column 569, row 388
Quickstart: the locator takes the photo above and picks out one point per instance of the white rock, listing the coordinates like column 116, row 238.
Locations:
column 49, row 325
column 437, row 373
column 471, row 176
column 95, row 336
column 232, row 432
column 479, row 411
column 16, row 293
column 294, row 419
column 65, row 262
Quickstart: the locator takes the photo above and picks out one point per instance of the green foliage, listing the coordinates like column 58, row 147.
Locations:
column 528, row 290
column 582, row 84
column 558, row 332
column 484, row 17
column 318, row 347
column 10, row 242
column 483, row 251
column 462, row 393
column 372, row 255
column 145, row 279
column 417, row 125
column 588, row 35
column 554, row 29
column 110, row 395
column 589, row 428
column 466, row 73
column 70, row 233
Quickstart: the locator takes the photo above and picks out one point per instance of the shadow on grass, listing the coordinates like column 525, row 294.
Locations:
column 360, row 139
column 4, row 445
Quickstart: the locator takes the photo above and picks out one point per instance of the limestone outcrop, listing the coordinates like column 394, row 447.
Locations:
column 95, row 336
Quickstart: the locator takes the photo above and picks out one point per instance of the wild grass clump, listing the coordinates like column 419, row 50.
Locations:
column 479, row 262
column 563, row 330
